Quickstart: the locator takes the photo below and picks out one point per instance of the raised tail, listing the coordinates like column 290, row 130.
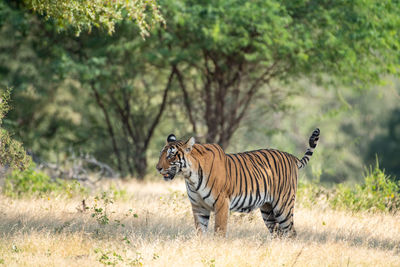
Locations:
column 313, row 143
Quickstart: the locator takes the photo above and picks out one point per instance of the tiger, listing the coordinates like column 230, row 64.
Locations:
column 219, row 182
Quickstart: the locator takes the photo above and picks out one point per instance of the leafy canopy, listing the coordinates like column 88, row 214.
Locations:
column 226, row 50
column 356, row 41
column 83, row 14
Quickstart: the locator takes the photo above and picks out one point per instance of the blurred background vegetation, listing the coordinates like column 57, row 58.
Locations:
column 244, row 74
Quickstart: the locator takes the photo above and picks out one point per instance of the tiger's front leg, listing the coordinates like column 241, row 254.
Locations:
column 201, row 218
column 221, row 216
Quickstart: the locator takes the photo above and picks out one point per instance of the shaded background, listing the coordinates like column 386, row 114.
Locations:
column 117, row 97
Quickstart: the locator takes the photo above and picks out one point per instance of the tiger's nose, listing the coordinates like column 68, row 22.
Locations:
column 158, row 168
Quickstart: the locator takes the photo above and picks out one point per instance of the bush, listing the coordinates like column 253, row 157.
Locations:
column 378, row 193
column 12, row 153
column 31, row 182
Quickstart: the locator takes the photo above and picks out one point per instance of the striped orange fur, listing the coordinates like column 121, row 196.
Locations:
column 219, row 182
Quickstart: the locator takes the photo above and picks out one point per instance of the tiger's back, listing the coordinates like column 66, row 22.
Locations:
column 259, row 177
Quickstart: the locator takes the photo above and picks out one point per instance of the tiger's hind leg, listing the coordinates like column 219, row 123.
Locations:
column 284, row 219
column 268, row 216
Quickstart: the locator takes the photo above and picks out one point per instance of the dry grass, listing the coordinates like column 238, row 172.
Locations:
column 52, row 232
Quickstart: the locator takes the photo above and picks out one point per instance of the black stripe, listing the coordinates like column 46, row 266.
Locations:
column 264, row 177
column 200, row 174
column 209, row 193
column 207, row 217
column 198, row 150
column 192, row 199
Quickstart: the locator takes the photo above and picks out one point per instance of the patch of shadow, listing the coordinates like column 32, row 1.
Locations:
column 307, row 235
column 262, row 235
column 149, row 227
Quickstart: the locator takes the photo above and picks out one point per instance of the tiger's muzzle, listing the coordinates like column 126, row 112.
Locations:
column 168, row 174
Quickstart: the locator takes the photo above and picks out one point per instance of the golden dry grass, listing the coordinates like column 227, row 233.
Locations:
column 158, row 231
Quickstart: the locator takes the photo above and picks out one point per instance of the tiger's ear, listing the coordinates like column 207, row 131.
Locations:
column 171, row 138
column 189, row 144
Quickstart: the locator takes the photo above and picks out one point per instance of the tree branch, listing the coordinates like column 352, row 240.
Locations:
column 161, row 110
column 124, row 117
column 186, row 98
column 109, row 125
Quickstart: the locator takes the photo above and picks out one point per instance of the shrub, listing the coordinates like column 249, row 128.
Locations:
column 12, row 153
column 378, row 193
column 31, row 182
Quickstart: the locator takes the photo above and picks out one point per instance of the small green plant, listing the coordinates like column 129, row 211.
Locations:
column 102, row 214
column 131, row 213
column 110, row 258
column 126, row 240
column 138, row 260
column 99, row 209
column 15, row 249
column 208, row 262
column 31, row 182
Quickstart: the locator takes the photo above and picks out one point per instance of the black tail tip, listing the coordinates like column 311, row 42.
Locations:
column 316, row 132
column 314, row 138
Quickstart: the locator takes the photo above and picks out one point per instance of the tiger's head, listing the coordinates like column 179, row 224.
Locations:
column 174, row 157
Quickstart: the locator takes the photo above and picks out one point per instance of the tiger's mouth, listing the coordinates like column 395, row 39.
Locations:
column 168, row 176
column 169, row 173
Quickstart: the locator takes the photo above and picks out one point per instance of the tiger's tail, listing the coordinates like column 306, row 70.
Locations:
column 313, row 143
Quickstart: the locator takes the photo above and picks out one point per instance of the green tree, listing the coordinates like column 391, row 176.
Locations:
column 46, row 115
column 225, row 51
column 120, row 99
column 129, row 84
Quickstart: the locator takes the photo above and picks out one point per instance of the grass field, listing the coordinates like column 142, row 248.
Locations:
column 150, row 224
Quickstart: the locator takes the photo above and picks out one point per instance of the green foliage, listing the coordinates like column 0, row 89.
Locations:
column 221, row 46
column 45, row 115
column 11, row 151
column 112, row 258
column 227, row 50
column 208, row 262
column 341, row 39
column 84, row 14
column 378, row 193
column 99, row 210
column 31, row 182
column 355, row 126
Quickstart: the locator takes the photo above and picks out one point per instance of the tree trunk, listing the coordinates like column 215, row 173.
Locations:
column 140, row 164
column 225, row 95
